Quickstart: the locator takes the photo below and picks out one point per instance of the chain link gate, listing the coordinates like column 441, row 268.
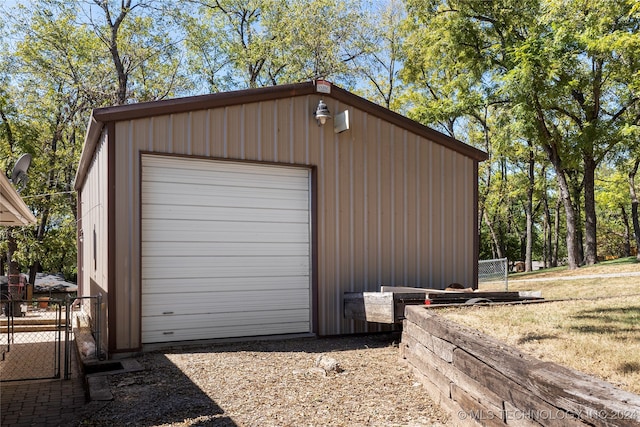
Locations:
column 35, row 338
column 494, row 272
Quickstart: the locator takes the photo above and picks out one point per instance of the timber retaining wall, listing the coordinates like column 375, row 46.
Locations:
column 482, row 381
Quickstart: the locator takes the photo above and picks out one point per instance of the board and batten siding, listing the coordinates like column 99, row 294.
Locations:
column 392, row 208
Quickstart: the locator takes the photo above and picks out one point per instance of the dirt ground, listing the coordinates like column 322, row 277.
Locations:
column 271, row 383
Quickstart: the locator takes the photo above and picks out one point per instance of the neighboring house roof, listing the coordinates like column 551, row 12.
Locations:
column 100, row 116
column 13, row 210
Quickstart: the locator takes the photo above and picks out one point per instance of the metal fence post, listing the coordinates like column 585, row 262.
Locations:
column 67, row 324
column 506, row 274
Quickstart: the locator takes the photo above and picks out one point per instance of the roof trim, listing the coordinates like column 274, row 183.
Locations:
column 100, row 116
column 13, row 210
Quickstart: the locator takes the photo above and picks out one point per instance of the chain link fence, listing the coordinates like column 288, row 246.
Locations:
column 34, row 339
column 493, row 273
column 36, row 335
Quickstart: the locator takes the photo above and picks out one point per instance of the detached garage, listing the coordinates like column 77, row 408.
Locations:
column 241, row 214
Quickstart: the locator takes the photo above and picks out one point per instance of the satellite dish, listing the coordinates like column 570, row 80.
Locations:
column 19, row 174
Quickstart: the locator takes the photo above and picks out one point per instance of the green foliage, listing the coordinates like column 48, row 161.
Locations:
column 550, row 89
column 256, row 43
column 561, row 75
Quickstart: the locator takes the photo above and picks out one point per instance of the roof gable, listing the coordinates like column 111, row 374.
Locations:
column 100, row 116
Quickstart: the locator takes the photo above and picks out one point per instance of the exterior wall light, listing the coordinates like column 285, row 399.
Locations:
column 322, row 113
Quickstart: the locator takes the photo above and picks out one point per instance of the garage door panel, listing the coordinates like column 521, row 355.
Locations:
column 235, row 174
column 226, row 273
column 185, row 202
column 206, row 320
column 213, row 191
column 225, row 236
column 226, row 182
column 222, row 284
column 195, row 249
column 226, row 249
column 211, row 327
column 224, row 302
column 206, row 333
column 242, row 214
column 165, row 230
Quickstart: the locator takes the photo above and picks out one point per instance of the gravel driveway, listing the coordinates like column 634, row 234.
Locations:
column 271, row 383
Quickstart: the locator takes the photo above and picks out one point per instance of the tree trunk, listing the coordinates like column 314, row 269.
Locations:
column 634, row 206
column 528, row 262
column 120, row 65
column 627, row 232
column 590, row 232
column 556, row 226
column 547, row 248
column 573, row 248
column 13, row 276
column 13, row 271
column 550, row 146
column 576, row 192
column 494, row 237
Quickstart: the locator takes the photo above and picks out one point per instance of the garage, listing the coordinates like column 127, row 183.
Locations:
column 225, row 249
column 245, row 213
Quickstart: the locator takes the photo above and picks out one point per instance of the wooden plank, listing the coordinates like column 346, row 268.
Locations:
column 416, row 334
column 443, row 349
column 514, row 416
column 595, row 401
column 486, row 416
column 433, row 362
column 438, row 346
column 444, row 402
column 560, row 387
column 509, row 390
column 369, row 306
column 439, row 380
column 380, row 307
column 488, row 349
column 408, row 289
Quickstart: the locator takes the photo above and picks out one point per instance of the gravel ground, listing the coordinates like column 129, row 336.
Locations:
column 271, row 383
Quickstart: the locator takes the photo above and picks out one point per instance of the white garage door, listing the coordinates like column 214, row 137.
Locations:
column 225, row 249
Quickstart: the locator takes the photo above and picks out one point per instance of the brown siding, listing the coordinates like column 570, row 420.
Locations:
column 93, row 274
column 392, row 207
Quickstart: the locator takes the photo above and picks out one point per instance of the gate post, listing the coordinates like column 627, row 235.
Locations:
column 67, row 327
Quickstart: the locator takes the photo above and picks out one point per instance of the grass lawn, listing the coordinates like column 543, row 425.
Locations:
column 595, row 328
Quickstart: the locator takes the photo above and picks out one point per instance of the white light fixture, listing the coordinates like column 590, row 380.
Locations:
column 322, row 113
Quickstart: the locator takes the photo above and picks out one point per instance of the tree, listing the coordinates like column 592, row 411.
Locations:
column 613, row 202
column 145, row 58
column 547, row 59
column 54, row 72
column 257, row 43
column 381, row 45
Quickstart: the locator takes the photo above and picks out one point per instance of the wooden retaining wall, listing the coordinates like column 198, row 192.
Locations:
column 483, row 381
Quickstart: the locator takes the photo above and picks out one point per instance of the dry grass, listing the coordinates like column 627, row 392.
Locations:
column 622, row 265
column 597, row 332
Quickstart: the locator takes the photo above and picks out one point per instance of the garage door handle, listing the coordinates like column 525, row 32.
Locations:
column 168, row 333
column 167, row 312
